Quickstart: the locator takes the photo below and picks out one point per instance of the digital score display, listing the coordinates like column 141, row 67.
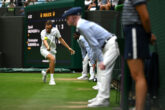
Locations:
column 35, row 24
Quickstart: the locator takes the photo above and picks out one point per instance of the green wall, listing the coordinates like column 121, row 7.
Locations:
column 157, row 16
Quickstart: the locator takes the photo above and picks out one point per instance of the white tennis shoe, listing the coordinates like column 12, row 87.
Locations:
column 91, row 77
column 92, row 100
column 96, row 87
column 52, row 82
column 83, row 77
column 99, row 103
column 43, row 76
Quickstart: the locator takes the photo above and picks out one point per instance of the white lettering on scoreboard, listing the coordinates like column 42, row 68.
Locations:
column 32, row 42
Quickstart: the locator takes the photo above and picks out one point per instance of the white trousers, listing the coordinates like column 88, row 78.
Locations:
column 85, row 66
column 98, row 75
column 110, row 54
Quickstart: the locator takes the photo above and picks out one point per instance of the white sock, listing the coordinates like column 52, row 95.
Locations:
column 51, row 76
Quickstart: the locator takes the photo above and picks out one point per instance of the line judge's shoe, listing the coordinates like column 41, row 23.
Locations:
column 83, row 77
column 99, row 103
column 91, row 77
column 52, row 82
column 92, row 100
column 96, row 87
column 43, row 76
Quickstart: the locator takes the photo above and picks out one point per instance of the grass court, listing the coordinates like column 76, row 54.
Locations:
column 26, row 91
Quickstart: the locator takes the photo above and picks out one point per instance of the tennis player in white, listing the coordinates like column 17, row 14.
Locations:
column 48, row 48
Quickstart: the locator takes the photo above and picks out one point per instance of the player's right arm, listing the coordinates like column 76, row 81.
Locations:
column 44, row 39
column 46, row 44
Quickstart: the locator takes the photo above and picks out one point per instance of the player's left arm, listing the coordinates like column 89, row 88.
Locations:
column 144, row 17
column 66, row 45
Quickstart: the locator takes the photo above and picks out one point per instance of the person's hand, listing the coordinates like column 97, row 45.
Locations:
column 101, row 66
column 71, row 51
column 153, row 39
column 48, row 48
column 76, row 35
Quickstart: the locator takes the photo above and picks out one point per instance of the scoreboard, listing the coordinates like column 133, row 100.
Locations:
column 35, row 24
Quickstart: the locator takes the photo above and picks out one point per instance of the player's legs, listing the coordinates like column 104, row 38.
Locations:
column 136, row 67
column 51, row 63
column 51, row 67
column 48, row 70
column 51, row 57
column 137, row 49
column 44, row 74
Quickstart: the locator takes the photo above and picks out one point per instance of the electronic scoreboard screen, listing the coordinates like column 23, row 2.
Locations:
column 35, row 24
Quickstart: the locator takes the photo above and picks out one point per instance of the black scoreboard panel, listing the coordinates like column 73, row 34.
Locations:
column 35, row 24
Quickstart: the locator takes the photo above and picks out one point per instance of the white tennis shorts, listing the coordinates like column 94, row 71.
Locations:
column 45, row 53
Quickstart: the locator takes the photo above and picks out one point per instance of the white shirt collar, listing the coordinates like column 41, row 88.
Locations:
column 79, row 22
column 81, row 37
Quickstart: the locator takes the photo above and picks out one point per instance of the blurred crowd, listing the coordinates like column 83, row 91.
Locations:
column 93, row 5
column 11, row 4
column 90, row 5
column 20, row 3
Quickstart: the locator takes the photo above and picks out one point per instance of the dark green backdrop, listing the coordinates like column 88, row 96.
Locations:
column 157, row 15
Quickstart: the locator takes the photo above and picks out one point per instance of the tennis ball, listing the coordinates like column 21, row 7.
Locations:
column 46, row 38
